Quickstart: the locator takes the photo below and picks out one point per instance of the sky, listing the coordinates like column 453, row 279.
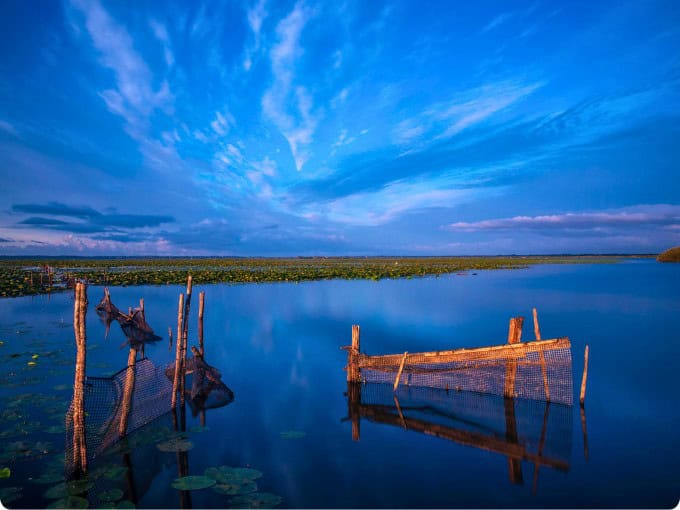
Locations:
column 276, row 128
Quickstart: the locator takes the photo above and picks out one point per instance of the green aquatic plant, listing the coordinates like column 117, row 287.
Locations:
column 256, row 500
column 5, row 472
column 175, row 445
column 72, row 488
column 52, row 476
column 235, row 489
column 233, row 475
column 110, row 496
column 193, row 483
column 10, row 494
column 70, row 502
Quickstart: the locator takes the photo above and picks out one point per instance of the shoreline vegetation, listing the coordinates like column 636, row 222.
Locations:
column 42, row 275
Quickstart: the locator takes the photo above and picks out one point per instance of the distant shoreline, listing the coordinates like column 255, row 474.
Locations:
column 21, row 276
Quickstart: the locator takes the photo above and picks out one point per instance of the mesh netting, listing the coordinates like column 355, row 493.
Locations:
column 532, row 430
column 533, row 370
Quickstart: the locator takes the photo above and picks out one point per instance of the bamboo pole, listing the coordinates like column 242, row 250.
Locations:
column 585, row 377
column 537, row 330
column 353, row 371
column 201, row 306
column 79, row 315
column 178, row 351
column 127, row 392
column 401, row 368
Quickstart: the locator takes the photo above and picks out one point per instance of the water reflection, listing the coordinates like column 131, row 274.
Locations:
column 521, row 430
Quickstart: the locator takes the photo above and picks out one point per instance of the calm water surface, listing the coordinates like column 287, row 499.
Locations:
column 277, row 346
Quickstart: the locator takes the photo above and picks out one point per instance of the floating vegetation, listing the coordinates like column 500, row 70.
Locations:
column 193, row 483
column 10, row 494
column 233, row 475
column 56, row 429
column 199, row 428
column 110, row 495
column 125, row 504
column 293, row 434
column 175, row 445
column 16, row 281
column 233, row 489
column 25, row 450
column 5, row 472
column 256, row 500
column 70, row 502
column 49, row 477
column 71, row 488
column 114, row 472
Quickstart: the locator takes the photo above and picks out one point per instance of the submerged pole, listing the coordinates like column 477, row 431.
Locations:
column 585, row 377
column 201, row 307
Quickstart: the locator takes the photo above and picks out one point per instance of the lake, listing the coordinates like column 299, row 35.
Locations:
column 277, row 347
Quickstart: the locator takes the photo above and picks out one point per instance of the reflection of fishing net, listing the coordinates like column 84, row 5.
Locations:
column 530, row 430
column 538, row 370
column 207, row 389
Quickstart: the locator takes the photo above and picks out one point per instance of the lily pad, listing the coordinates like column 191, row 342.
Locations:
column 175, row 445
column 193, row 483
column 233, row 475
column 70, row 502
column 125, row 504
column 5, row 472
column 235, row 489
column 114, row 472
column 49, row 477
column 256, row 500
column 110, row 496
column 68, row 489
column 10, row 494
column 293, row 434
column 199, row 428
column 56, row 429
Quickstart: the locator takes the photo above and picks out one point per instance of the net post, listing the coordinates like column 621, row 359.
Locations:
column 201, row 307
column 582, row 398
column 127, row 392
column 185, row 334
column 401, row 369
column 178, row 351
column 541, row 357
column 79, row 444
column 537, row 330
column 514, row 337
column 353, row 370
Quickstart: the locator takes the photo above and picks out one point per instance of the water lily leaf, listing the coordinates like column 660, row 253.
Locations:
column 35, row 356
column 233, row 475
column 193, row 483
column 125, row 504
column 49, row 478
column 71, row 488
column 256, row 500
column 199, row 428
column 10, row 494
column 235, row 489
column 175, row 445
column 31, row 363
column 56, row 429
column 70, row 502
column 5, row 472
column 110, row 496
column 114, row 472
column 293, row 434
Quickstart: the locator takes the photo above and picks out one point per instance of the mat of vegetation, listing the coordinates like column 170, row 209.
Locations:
column 19, row 277
column 670, row 255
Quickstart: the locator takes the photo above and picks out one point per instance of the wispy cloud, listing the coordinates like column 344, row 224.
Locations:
column 256, row 16
column 290, row 107
column 658, row 215
column 497, row 21
column 8, row 128
column 160, row 31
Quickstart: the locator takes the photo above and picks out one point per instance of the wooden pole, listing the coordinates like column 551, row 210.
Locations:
column 514, row 337
column 353, row 372
column 178, row 351
column 185, row 333
column 141, row 308
column 401, row 368
column 585, row 377
column 79, row 315
column 537, row 330
column 201, row 306
column 127, row 392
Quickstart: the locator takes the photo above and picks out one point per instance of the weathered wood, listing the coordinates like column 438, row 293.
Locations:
column 178, row 351
column 141, row 308
column 509, row 351
column 514, row 337
column 353, row 371
column 585, row 377
column 515, row 330
column 201, row 306
column 401, row 369
column 537, row 330
column 128, row 389
column 78, row 404
column 185, row 334
column 544, row 372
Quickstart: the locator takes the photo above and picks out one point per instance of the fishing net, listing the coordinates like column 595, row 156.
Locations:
column 538, row 370
column 531, row 430
column 134, row 325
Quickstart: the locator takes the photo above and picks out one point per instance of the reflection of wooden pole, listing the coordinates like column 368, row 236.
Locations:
column 354, row 401
column 541, row 444
column 79, row 314
column 169, row 338
column 127, row 392
column 514, row 464
column 201, row 306
column 514, row 337
column 129, row 478
column 585, row 432
column 585, row 377
column 178, row 351
column 353, row 372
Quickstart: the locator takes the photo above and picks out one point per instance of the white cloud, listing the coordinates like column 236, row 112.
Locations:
column 161, row 34
column 256, row 16
column 497, row 21
column 222, row 123
column 662, row 215
column 297, row 123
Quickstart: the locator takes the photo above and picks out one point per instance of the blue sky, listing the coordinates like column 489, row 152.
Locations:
column 339, row 128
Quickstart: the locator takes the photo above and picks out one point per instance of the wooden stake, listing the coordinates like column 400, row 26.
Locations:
column 585, row 377
column 79, row 315
column 178, row 351
column 141, row 308
column 353, row 372
column 185, row 333
column 127, row 392
column 401, row 368
column 537, row 330
column 201, row 306
column 514, row 337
